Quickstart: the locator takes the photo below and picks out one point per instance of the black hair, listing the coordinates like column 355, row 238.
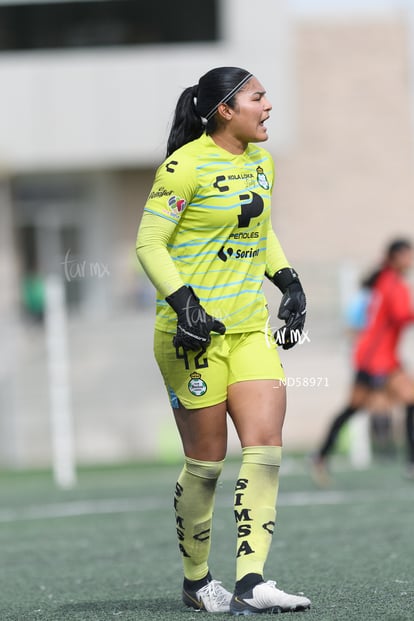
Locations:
column 197, row 105
column 369, row 281
column 393, row 248
column 396, row 246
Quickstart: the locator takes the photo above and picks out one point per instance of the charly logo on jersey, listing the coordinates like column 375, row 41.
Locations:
column 176, row 206
column 197, row 385
column 262, row 179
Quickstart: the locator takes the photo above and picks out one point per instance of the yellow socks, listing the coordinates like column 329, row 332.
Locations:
column 255, row 507
column 194, row 503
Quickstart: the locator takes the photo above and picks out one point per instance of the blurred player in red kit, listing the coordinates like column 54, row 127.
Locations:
column 380, row 379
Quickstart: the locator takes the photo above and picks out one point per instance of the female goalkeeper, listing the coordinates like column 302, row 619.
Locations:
column 206, row 242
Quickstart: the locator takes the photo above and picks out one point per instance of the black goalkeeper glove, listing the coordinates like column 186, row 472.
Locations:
column 194, row 324
column 292, row 308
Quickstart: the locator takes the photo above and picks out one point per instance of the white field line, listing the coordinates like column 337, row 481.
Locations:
column 79, row 508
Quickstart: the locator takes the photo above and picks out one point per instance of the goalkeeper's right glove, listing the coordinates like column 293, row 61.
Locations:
column 194, row 324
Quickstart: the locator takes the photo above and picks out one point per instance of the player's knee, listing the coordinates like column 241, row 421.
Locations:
column 204, row 469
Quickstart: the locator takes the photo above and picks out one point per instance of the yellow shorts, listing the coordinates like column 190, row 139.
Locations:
column 199, row 379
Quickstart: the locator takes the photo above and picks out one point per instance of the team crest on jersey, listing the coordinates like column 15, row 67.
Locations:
column 176, row 206
column 197, row 385
column 262, row 179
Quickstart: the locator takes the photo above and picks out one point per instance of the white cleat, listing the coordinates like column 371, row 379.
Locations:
column 265, row 597
column 212, row 598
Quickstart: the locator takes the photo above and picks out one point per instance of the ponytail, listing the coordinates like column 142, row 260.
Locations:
column 369, row 281
column 187, row 124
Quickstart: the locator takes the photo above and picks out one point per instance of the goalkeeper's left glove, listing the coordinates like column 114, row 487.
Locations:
column 292, row 308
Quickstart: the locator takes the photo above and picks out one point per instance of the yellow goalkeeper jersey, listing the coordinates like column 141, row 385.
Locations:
column 207, row 224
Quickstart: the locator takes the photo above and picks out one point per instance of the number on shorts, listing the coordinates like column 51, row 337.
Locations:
column 181, row 354
column 204, row 363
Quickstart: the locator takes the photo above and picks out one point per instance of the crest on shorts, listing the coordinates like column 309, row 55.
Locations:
column 197, row 385
column 262, row 179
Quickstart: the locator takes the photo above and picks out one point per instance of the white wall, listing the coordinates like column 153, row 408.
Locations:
column 112, row 107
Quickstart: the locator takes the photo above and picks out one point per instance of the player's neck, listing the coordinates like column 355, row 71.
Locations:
column 229, row 142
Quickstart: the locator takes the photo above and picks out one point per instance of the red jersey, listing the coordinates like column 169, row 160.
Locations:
column 389, row 311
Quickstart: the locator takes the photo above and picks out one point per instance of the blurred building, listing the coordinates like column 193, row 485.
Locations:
column 88, row 90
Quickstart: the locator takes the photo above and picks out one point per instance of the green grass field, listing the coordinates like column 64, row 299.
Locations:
column 107, row 550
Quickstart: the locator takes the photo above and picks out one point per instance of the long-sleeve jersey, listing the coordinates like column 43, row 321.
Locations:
column 207, row 224
column 389, row 311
